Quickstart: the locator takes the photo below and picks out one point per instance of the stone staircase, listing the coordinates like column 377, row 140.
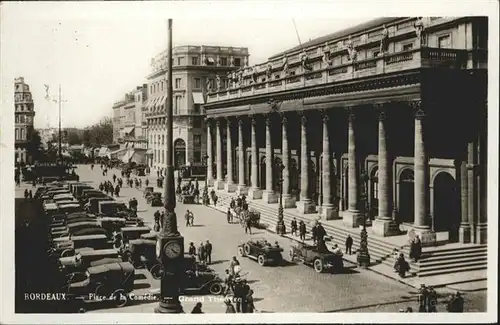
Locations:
column 434, row 260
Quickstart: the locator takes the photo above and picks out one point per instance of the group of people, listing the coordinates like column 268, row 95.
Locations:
column 428, row 301
column 109, row 189
column 204, row 252
column 28, row 194
column 236, row 285
column 189, row 216
column 191, row 189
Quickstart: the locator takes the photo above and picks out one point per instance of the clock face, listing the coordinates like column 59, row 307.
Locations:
column 172, row 249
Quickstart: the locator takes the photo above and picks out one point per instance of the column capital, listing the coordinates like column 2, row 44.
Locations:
column 415, row 104
column 217, row 121
column 274, row 105
column 324, row 115
column 268, row 120
column 382, row 116
column 240, row 122
column 419, row 114
column 379, row 106
column 284, row 119
column 303, row 117
column 351, row 116
column 229, row 121
column 253, row 119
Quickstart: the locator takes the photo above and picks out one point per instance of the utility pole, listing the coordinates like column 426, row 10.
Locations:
column 60, row 131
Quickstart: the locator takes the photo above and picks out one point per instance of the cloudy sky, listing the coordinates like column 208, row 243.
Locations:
column 98, row 51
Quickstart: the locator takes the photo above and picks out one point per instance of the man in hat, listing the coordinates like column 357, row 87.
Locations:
column 432, row 300
column 208, row 252
column 422, row 299
column 456, row 303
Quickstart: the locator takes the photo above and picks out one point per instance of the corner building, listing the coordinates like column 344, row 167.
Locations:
column 24, row 116
column 195, row 70
column 394, row 108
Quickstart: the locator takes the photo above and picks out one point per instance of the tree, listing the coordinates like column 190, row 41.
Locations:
column 99, row 134
column 87, row 137
column 73, row 138
column 34, row 147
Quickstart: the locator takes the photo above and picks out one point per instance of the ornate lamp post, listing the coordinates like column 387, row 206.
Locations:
column 363, row 254
column 280, row 225
column 170, row 243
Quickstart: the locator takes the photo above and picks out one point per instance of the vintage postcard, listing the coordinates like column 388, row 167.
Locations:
column 298, row 161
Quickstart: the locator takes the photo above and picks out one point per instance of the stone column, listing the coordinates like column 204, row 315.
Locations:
column 482, row 223
column 242, row 189
column 219, row 183
column 229, row 186
column 328, row 210
column 210, row 160
column 288, row 200
column 421, row 170
column 471, row 188
column 269, row 195
column 464, row 232
column 352, row 217
column 305, row 205
column 254, row 192
column 383, row 225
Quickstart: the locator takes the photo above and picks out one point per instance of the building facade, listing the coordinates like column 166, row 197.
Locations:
column 129, row 122
column 195, row 69
column 394, row 108
column 24, row 116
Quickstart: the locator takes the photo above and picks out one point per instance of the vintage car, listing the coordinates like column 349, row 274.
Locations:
column 79, row 229
column 154, row 199
column 188, row 199
column 148, row 191
column 111, row 208
column 67, row 247
column 251, row 213
column 68, row 208
column 107, row 282
column 128, row 233
column 141, row 253
column 150, row 236
column 83, row 259
column 262, row 251
column 112, row 224
column 320, row 258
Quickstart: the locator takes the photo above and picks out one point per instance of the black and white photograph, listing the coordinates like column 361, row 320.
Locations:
column 299, row 161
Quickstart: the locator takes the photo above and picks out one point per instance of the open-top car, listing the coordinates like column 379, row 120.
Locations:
column 141, row 253
column 155, row 199
column 107, row 282
column 320, row 258
column 83, row 259
column 262, row 251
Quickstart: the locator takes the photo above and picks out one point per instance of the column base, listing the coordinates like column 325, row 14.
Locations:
column 288, row 201
column 269, row 197
column 255, row 193
column 385, row 227
column 352, row 218
column 242, row 190
column 329, row 212
column 426, row 235
column 481, row 233
column 306, row 206
column 464, row 234
column 210, row 182
column 219, row 185
column 230, row 187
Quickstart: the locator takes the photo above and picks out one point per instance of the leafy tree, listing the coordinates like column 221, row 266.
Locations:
column 99, row 134
column 73, row 138
column 34, row 147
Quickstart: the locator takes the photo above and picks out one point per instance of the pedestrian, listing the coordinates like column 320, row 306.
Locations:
column 208, row 252
column 197, row 309
column 117, row 190
column 114, row 178
column 30, row 194
column 229, row 216
column 191, row 218
column 293, row 226
column 302, row 230
column 348, row 245
column 232, row 265
column 26, row 193
column 201, row 253
column 187, row 217
column 250, row 307
column 229, row 306
column 140, row 182
column 455, row 304
column 215, row 198
column 432, row 300
column 162, row 218
column 422, row 298
column 239, row 294
column 248, row 224
column 146, row 182
column 192, row 249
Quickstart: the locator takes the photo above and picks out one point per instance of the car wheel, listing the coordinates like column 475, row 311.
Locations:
column 157, row 271
column 66, row 253
column 120, row 298
column 318, row 265
column 215, row 288
column 127, row 257
column 100, row 291
column 241, row 252
column 261, row 260
column 246, row 248
column 291, row 255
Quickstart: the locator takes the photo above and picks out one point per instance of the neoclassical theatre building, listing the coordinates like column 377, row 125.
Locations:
column 386, row 119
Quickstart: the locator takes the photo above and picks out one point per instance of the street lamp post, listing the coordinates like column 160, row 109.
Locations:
column 170, row 243
column 205, row 189
column 363, row 257
column 280, row 225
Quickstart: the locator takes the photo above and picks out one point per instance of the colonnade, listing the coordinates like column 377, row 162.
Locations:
column 383, row 225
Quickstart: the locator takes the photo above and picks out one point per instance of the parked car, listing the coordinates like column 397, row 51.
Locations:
column 129, row 233
column 83, row 259
column 320, row 259
column 262, row 251
column 155, row 199
column 141, row 253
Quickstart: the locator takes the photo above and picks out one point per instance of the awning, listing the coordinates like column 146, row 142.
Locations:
column 210, row 60
column 160, row 102
column 149, row 103
column 127, row 156
column 198, row 98
column 153, row 104
column 128, row 129
column 149, row 151
column 139, row 157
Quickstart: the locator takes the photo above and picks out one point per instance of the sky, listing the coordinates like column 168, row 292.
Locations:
column 98, row 51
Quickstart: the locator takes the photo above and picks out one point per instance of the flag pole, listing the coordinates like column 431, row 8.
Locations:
column 60, row 132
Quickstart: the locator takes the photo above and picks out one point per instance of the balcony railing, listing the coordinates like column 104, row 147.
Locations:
column 392, row 62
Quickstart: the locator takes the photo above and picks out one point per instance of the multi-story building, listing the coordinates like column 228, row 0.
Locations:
column 386, row 119
column 195, row 69
column 24, row 118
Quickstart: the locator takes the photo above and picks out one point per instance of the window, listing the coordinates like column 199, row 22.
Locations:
column 196, row 108
column 17, row 118
column 159, row 138
column 197, row 83
column 22, row 133
column 178, row 83
column 180, row 61
column 194, row 60
column 407, row 47
column 177, row 105
column 376, row 53
column 277, row 76
column 444, row 42
column 237, row 62
column 21, row 119
column 162, row 139
column 197, row 122
column 225, row 83
column 197, row 156
column 223, row 61
column 151, row 89
column 17, row 134
column 292, row 73
column 162, row 156
column 197, row 140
